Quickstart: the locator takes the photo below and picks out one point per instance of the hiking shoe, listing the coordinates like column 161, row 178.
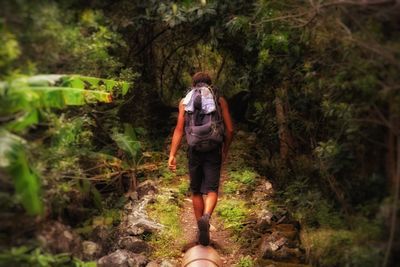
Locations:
column 204, row 230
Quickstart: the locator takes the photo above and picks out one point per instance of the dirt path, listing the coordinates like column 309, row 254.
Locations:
column 221, row 239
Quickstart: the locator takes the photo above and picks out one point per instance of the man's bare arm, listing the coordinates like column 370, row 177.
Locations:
column 228, row 127
column 177, row 137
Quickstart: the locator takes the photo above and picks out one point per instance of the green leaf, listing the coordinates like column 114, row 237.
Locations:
column 59, row 97
column 40, row 80
column 27, row 98
column 24, row 121
column 29, row 95
column 96, row 197
column 130, row 131
column 127, row 144
column 13, row 159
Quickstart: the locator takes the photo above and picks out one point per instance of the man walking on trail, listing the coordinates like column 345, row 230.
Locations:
column 204, row 161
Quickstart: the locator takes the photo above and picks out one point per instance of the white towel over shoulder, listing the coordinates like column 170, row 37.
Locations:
column 207, row 101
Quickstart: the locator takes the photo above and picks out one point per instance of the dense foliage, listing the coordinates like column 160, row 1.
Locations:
column 316, row 80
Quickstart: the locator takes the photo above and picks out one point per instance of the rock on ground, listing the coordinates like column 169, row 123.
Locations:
column 147, row 187
column 133, row 244
column 59, row 238
column 135, row 220
column 281, row 246
column 91, row 250
column 153, row 264
column 122, row 258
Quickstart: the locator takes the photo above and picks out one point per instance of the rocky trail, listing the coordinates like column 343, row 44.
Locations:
column 158, row 224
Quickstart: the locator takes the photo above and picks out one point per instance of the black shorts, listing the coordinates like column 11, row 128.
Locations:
column 204, row 170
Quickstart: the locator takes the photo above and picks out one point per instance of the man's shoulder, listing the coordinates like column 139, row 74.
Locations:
column 181, row 105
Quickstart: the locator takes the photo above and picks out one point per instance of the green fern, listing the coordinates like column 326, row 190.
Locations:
column 14, row 160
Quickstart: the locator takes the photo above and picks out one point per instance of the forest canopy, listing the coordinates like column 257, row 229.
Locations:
column 89, row 93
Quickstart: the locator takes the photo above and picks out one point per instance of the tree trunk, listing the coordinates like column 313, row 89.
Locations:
column 393, row 172
column 390, row 158
column 392, row 143
column 281, row 108
column 394, row 212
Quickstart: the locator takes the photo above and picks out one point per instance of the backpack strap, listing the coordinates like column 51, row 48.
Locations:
column 216, row 96
column 188, row 90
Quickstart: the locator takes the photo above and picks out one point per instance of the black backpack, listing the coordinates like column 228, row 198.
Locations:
column 204, row 132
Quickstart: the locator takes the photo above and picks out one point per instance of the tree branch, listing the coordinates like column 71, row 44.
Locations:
column 152, row 40
column 220, row 69
column 166, row 59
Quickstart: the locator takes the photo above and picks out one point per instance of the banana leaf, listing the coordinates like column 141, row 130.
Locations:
column 14, row 160
column 39, row 80
column 59, row 97
column 56, row 91
column 29, row 100
column 72, row 81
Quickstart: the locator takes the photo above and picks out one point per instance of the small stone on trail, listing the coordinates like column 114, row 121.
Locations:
column 240, row 133
column 91, row 250
column 265, row 215
column 122, row 258
column 166, row 263
column 136, row 222
column 273, row 246
column 281, row 241
column 59, row 238
column 287, row 230
column 147, row 187
column 133, row 244
column 263, row 191
column 264, row 220
column 252, row 137
column 271, row 243
column 134, row 230
column 289, row 254
column 212, row 228
column 133, row 196
column 153, row 264
column 268, row 186
column 100, row 234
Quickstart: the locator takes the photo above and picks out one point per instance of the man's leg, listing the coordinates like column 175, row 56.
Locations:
column 204, row 221
column 196, row 179
column 210, row 203
column 198, row 205
column 212, row 173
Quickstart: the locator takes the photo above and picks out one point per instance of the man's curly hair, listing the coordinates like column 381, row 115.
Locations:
column 201, row 77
